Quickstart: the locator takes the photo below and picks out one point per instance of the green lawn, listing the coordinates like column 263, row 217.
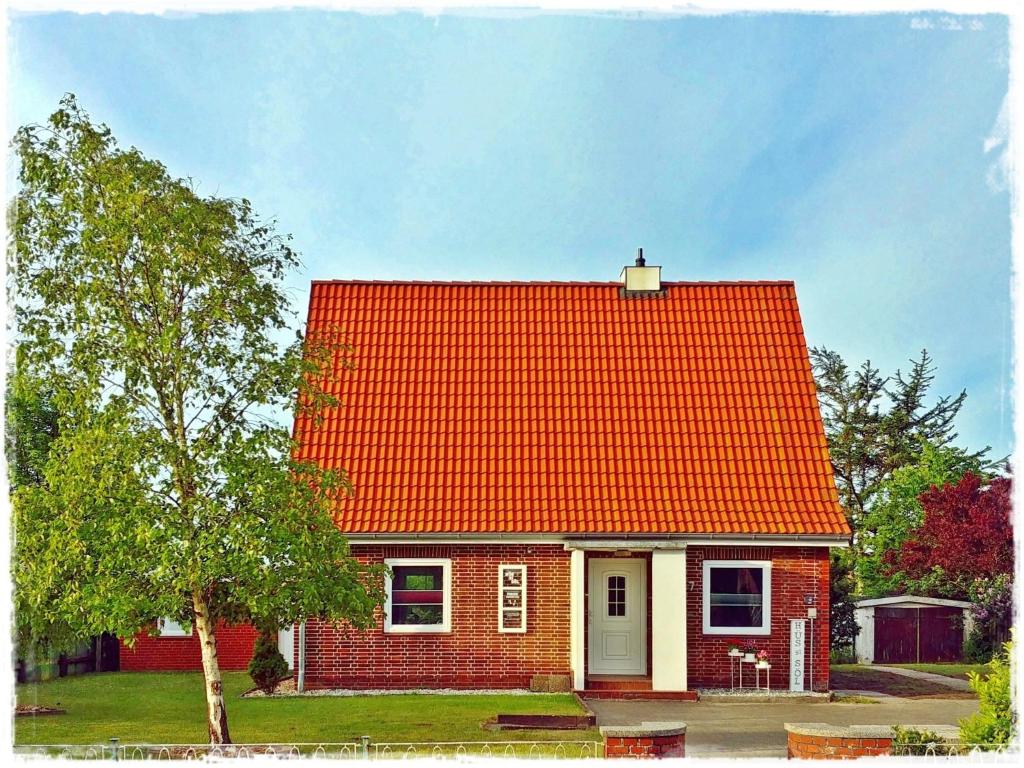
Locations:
column 947, row 670
column 169, row 708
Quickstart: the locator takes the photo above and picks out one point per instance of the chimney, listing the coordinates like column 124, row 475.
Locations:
column 640, row 280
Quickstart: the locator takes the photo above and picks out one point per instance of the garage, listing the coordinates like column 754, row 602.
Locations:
column 909, row 629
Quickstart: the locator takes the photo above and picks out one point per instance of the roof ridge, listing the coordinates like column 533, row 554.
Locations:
column 550, row 283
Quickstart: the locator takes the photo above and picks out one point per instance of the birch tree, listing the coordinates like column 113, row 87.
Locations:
column 154, row 314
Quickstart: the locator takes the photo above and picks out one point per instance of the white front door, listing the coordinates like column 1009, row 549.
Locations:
column 617, row 624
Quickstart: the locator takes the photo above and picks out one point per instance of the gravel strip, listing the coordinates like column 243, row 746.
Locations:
column 762, row 693
column 287, row 689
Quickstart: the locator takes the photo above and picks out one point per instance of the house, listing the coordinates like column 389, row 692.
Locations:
column 911, row 629
column 586, row 485
column 175, row 647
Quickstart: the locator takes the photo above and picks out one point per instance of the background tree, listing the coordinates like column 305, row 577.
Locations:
column 966, row 534
column 153, row 311
column 895, row 511
column 31, row 427
column 874, row 425
column 842, row 626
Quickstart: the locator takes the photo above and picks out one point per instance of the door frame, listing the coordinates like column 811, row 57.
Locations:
column 592, row 596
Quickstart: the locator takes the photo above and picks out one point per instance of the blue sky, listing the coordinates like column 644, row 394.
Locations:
column 856, row 155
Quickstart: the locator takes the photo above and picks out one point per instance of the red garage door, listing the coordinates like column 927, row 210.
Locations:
column 910, row 635
column 942, row 634
column 895, row 635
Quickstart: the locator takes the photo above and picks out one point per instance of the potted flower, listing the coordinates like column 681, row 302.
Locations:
column 734, row 648
column 749, row 653
column 762, row 659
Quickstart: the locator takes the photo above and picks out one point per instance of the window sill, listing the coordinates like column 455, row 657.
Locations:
column 737, row 631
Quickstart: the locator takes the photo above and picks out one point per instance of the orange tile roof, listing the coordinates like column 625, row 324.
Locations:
column 563, row 408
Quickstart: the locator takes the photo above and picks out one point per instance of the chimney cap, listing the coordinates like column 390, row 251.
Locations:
column 640, row 280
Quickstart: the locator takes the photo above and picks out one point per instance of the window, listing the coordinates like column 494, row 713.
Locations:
column 616, row 596
column 171, row 628
column 419, row 596
column 512, row 598
column 737, row 597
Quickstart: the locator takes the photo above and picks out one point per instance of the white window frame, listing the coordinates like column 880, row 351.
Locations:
column 446, row 608
column 766, row 598
column 521, row 629
column 170, row 628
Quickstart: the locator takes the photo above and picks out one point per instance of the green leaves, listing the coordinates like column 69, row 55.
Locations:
column 155, row 317
column 875, row 425
column 884, row 442
column 895, row 512
column 995, row 723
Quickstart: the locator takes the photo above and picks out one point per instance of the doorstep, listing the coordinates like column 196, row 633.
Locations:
column 604, row 693
column 617, row 683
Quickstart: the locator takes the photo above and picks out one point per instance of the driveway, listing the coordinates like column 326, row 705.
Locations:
column 756, row 730
column 950, row 682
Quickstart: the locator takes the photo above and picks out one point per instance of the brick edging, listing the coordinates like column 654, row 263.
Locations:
column 647, row 740
column 840, row 742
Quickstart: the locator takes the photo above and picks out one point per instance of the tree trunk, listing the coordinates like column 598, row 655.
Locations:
column 216, row 713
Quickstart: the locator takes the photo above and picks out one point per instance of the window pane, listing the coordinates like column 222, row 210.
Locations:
column 417, row 594
column 616, row 595
column 417, row 614
column 737, row 596
column 418, row 577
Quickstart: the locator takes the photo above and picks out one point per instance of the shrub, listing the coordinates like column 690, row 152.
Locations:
column 843, row 655
column 909, row 741
column 992, row 611
column 993, row 725
column 268, row 666
column 978, row 649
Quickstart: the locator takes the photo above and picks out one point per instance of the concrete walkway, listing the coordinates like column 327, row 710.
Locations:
column 950, row 682
column 756, row 730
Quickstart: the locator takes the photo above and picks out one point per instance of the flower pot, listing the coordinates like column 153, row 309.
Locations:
column 748, row 657
column 735, row 652
column 763, row 665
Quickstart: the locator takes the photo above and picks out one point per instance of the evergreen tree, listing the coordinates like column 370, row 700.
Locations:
column 875, row 425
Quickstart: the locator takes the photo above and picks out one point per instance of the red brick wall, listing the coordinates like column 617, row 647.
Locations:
column 653, row 747
column 796, row 571
column 801, row 746
column 474, row 654
column 164, row 654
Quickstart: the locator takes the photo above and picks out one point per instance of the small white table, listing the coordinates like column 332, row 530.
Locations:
column 733, row 657
column 767, row 676
column 742, row 661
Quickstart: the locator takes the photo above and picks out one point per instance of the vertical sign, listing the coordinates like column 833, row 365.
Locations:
column 797, row 632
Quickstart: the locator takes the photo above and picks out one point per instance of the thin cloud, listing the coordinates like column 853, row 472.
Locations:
column 998, row 176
